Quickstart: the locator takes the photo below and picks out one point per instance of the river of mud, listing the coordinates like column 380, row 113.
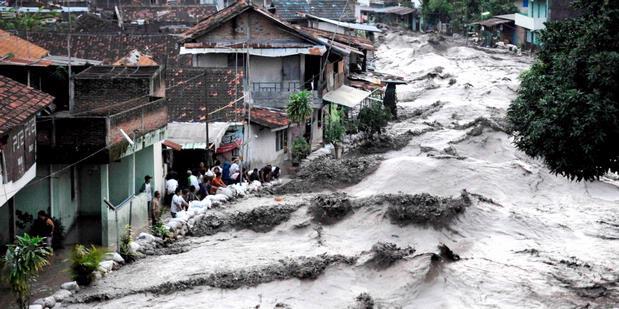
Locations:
column 455, row 218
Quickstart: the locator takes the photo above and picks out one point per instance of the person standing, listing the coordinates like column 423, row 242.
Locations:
column 193, row 180
column 171, row 185
column 155, row 208
column 43, row 226
column 178, row 203
column 148, row 190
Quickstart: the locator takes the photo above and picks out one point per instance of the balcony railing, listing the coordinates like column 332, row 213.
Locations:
column 287, row 86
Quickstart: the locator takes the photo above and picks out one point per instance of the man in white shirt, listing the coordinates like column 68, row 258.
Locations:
column 193, row 180
column 148, row 190
column 170, row 187
column 178, row 203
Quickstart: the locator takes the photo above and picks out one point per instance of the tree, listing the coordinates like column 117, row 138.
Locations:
column 567, row 109
column 373, row 118
column 434, row 11
column 299, row 108
column 22, row 262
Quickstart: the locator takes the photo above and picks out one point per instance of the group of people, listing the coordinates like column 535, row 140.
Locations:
column 205, row 181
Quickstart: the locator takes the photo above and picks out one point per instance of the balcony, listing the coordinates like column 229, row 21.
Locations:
column 287, row 86
column 276, row 94
column 531, row 23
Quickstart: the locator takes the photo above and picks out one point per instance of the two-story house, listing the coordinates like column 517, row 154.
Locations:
column 537, row 13
column 95, row 155
column 18, row 152
column 275, row 59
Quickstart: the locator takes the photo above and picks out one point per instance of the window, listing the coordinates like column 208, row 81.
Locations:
column 236, row 59
column 525, row 3
column 281, row 139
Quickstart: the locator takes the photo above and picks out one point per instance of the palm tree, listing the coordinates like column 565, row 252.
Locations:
column 22, row 262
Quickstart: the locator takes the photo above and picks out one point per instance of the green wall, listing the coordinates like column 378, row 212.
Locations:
column 144, row 165
column 119, row 173
column 90, row 190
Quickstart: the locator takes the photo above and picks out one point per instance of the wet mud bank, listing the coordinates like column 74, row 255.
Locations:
column 260, row 219
column 326, row 173
column 304, row 268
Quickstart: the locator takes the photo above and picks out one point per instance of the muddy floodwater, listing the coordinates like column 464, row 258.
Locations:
column 514, row 235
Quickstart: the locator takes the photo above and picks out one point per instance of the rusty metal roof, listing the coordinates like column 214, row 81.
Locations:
column 352, row 40
column 398, row 10
column 272, row 118
column 340, row 10
column 19, row 102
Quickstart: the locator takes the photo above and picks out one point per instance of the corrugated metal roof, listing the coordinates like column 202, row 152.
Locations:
column 346, row 96
column 364, row 27
column 192, row 135
column 333, row 9
column 398, row 10
column 492, row 22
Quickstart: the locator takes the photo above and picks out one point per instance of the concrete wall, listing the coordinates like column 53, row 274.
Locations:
column 90, row 190
column 211, row 61
column 132, row 212
column 5, row 217
column 119, row 173
column 265, row 69
column 262, row 147
column 317, row 131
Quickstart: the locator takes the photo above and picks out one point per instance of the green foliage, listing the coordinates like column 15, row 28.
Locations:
column 125, row 249
column 21, row 264
column 300, row 148
column 84, row 261
column 299, row 106
column 160, row 230
column 373, row 118
column 434, row 11
column 567, row 109
column 461, row 12
column 335, row 129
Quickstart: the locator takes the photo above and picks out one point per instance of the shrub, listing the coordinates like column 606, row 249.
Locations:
column 125, row 249
column 334, row 131
column 373, row 118
column 22, row 262
column 299, row 107
column 300, row 149
column 160, row 230
column 84, row 262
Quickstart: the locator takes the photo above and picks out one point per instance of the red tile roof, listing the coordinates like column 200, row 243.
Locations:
column 269, row 117
column 19, row 102
column 17, row 51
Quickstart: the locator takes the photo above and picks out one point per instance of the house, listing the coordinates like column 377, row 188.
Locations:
column 537, row 13
column 95, row 155
column 499, row 28
column 392, row 16
column 273, row 58
column 18, row 152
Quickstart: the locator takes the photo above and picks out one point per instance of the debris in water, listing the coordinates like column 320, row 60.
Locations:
column 386, row 253
column 330, row 208
column 363, row 301
column 423, row 208
column 446, row 253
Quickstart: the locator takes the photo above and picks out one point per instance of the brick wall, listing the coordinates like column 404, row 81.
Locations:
column 96, row 93
column 186, row 102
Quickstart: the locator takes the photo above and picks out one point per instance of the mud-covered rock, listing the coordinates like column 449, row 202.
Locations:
column 385, row 254
column 329, row 173
column 423, row 208
column 330, row 208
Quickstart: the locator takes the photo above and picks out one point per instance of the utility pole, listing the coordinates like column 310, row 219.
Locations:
column 69, row 73
column 209, row 157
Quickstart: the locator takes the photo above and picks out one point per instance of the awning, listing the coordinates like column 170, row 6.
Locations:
column 346, row 96
column 192, row 135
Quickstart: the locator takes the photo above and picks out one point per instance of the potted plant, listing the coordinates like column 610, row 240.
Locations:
column 22, row 262
column 300, row 150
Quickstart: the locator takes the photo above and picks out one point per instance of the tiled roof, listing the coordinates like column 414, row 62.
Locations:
column 341, row 10
column 19, row 102
column 166, row 13
column 112, row 72
column 269, row 117
column 15, row 50
column 218, row 18
column 236, row 9
column 111, row 47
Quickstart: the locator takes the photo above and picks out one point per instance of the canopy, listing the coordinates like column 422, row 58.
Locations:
column 192, row 135
column 346, row 96
column 363, row 27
